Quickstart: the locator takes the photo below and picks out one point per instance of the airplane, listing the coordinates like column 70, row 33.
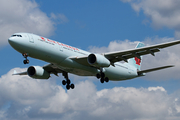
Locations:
column 66, row 59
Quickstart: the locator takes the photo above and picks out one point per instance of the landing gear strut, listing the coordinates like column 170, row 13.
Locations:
column 102, row 77
column 67, row 82
column 26, row 61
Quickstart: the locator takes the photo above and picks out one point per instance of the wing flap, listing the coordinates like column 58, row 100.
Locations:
column 125, row 56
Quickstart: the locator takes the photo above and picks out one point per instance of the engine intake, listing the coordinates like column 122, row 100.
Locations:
column 98, row 60
column 38, row 72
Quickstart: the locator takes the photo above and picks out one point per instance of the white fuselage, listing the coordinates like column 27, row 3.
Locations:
column 59, row 54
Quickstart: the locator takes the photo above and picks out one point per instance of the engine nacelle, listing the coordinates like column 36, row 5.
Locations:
column 38, row 72
column 98, row 60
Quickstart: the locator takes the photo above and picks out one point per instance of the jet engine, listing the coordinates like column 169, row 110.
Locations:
column 98, row 60
column 38, row 72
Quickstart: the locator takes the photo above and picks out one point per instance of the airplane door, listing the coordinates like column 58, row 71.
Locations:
column 31, row 40
column 61, row 48
column 129, row 71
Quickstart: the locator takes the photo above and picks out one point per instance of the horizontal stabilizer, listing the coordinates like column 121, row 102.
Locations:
column 23, row 73
column 154, row 69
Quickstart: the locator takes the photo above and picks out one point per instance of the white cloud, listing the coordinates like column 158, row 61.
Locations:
column 114, row 46
column 36, row 99
column 60, row 18
column 162, row 13
column 156, row 88
column 25, row 16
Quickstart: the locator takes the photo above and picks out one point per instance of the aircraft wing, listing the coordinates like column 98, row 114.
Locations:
column 137, row 52
column 153, row 69
column 51, row 68
column 127, row 54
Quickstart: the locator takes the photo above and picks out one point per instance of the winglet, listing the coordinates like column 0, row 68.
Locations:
column 139, row 45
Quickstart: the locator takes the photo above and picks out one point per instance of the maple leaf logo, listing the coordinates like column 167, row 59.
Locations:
column 138, row 61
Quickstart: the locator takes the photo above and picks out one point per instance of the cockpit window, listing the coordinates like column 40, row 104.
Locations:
column 16, row 36
column 13, row 35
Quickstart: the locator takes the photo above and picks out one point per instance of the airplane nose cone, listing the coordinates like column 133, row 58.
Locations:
column 12, row 41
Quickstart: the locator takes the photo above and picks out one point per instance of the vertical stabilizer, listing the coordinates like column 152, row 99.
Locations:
column 136, row 61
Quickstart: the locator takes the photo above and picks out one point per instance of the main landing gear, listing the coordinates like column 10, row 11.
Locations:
column 67, row 82
column 102, row 77
column 26, row 61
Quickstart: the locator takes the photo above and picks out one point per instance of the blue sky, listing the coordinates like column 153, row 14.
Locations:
column 96, row 26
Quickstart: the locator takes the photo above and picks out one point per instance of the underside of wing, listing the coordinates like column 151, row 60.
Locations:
column 137, row 52
column 51, row 68
column 81, row 60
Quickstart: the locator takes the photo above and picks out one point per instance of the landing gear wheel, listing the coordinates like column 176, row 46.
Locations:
column 64, row 82
column 106, row 79
column 68, row 87
column 102, row 80
column 67, row 82
column 102, row 75
column 26, row 61
column 72, row 86
column 98, row 76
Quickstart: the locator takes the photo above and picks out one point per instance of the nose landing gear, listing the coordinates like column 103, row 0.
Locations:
column 26, row 61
